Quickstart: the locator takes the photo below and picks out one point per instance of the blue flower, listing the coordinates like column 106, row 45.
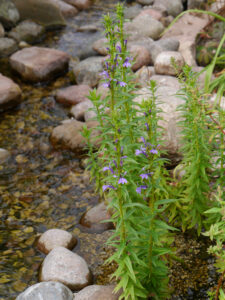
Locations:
column 118, row 48
column 127, row 62
column 105, row 74
column 154, row 151
column 142, row 187
column 121, row 83
column 145, row 175
column 106, row 84
column 122, row 180
column 108, row 168
column 108, row 186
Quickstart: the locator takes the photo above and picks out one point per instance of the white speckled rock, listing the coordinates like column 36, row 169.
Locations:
column 97, row 292
column 54, row 238
column 66, row 267
column 78, row 111
column 38, row 64
column 10, row 92
column 4, row 155
column 46, row 291
column 163, row 64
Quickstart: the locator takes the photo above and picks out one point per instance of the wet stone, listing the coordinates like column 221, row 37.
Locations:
column 4, row 155
column 66, row 267
column 163, row 64
column 46, row 291
column 39, row 64
column 54, row 238
column 93, row 218
column 97, row 292
column 10, row 93
column 73, row 95
column 7, row 46
column 27, row 31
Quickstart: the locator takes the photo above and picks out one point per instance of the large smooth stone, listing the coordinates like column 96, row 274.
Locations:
column 141, row 55
column 39, row 64
column 97, row 292
column 66, row 9
column 4, row 155
column 200, row 4
column 168, row 102
column 2, row 31
column 66, row 267
column 173, row 7
column 73, row 94
column 53, row 238
column 41, row 11
column 68, row 135
column 163, row 63
column 27, row 31
column 143, row 75
column 80, row 4
column 10, row 93
column 143, row 26
column 154, row 13
column 100, row 46
column 146, row 2
column 9, row 14
column 46, row 291
column 130, row 12
column 87, row 71
column 7, row 46
column 78, row 111
column 94, row 216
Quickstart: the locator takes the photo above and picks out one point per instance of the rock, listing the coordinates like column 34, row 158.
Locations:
column 93, row 218
column 146, row 2
column 200, row 4
column 66, row 9
column 78, row 111
column 27, row 31
column 87, row 71
column 4, row 154
column 66, row 267
column 167, row 20
column 68, row 135
column 10, row 93
column 39, row 64
column 144, row 26
column 73, row 94
column 143, row 75
column 163, row 64
column 80, row 4
column 42, row 11
column 100, row 46
column 53, row 238
column 141, row 56
column 168, row 102
column 188, row 51
column 2, row 31
column 173, row 7
column 102, row 91
column 9, row 14
column 46, row 291
column 90, row 115
column 7, row 46
column 130, row 12
column 97, row 292
column 154, row 13
column 88, row 28
column 168, row 44
column 23, row 45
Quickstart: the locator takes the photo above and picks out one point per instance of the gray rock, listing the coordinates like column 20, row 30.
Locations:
column 39, row 64
column 97, row 292
column 200, row 4
column 78, row 111
column 144, row 26
column 66, row 267
column 87, row 71
column 146, row 2
column 73, row 94
column 4, row 155
column 68, row 135
column 10, row 93
column 46, row 291
column 130, row 12
column 9, row 14
column 53, row 238
column 174, row 7
column 7, row 47
column 27, row 31
column 41, row 11
column 168, row 44
column 93, row 218
column 163, row 63
column 2, row 31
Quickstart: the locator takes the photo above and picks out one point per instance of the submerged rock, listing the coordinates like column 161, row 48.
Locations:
column 46, row 291
column 97, row 292
column 27, row 31
column 9, row 14
column 41, row 11
column 53, row 238
column 66, row 267
column 10, row 93
column 73, row 94
column 39, row 64
column 4, row 155
column 7, row 46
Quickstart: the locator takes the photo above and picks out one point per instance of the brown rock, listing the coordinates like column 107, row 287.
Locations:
column 73, row 95
column 10, row 92
column 100, row 46
column 144, row 74
column 78, row 111
column 56, row 238
column 97, row 292
column 141, row 56
column 66, row 9
column 39, row 64
column 93, row 218
column 80, row 4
